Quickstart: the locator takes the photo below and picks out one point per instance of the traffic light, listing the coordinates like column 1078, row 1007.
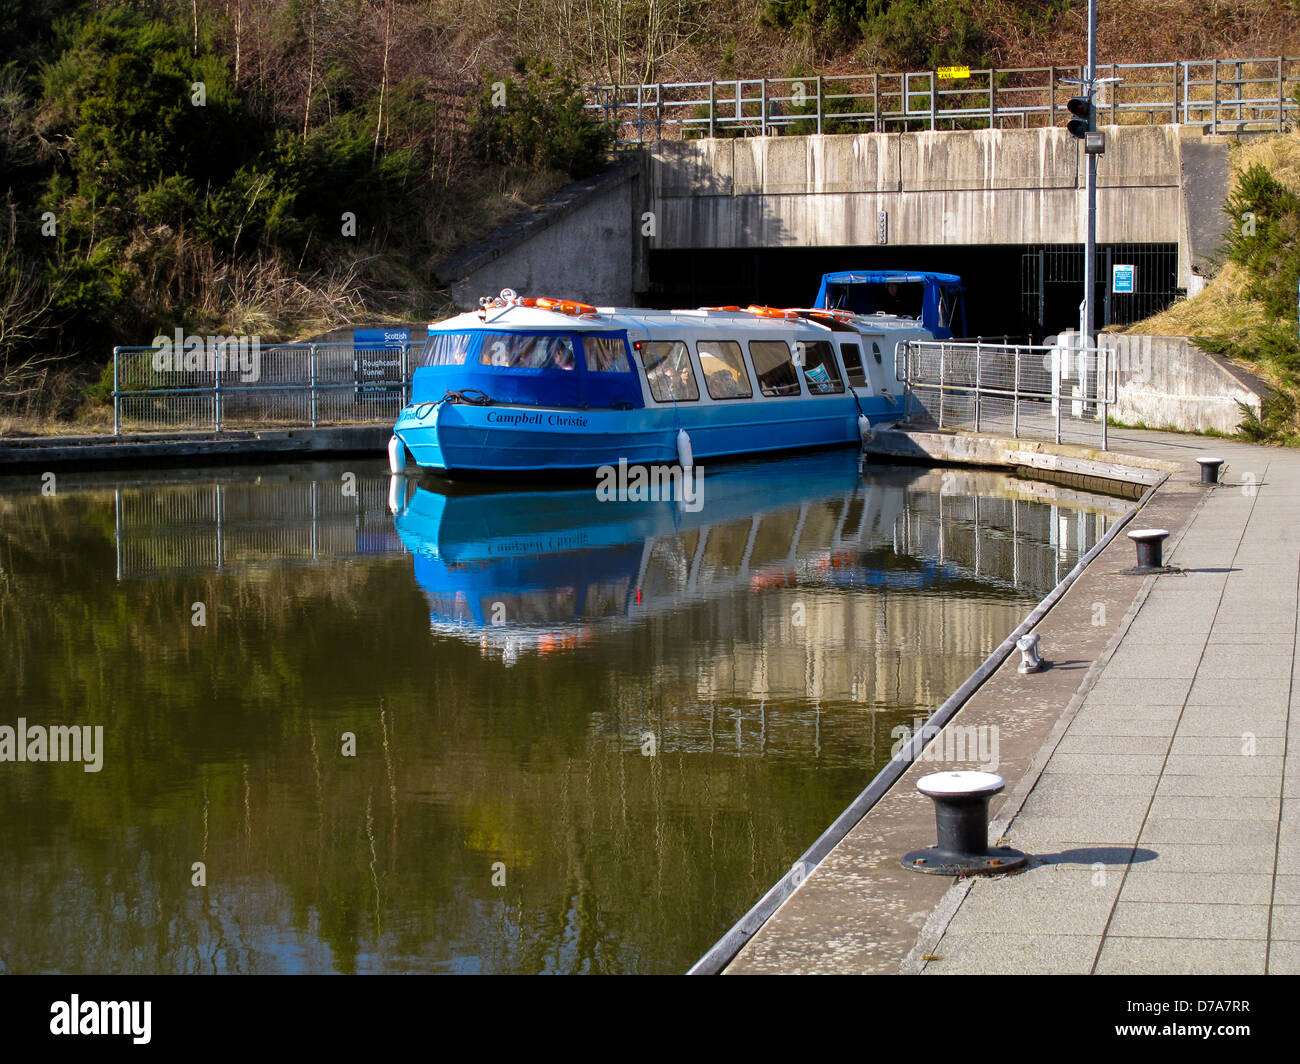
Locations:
column 1082, row 122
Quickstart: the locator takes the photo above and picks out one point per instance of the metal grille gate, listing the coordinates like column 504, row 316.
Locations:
column 1051, row 285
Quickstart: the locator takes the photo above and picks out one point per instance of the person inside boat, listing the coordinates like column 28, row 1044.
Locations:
column 560, row 353
column 892, row 301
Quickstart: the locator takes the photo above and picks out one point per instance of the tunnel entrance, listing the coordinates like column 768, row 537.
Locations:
column 1022, row 292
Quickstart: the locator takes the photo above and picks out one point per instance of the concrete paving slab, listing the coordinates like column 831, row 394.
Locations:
column 1109, row 764
column 1192, row 920
column 1166, row 807
column 1286, row 890
column 1119, row 725
column 1230, row 746
column 1100, row 788
column 1158, row 832
column 1181, row 956
column 1284, row 958
column 1260, row 692
column 1039, row 833
column 1230, row 721
column 1147, row 882
column 1218, row 786
column 1073, row 743
column 1157, row 692
column 1286, row 923
column 1013, row 954
column 1218, row 767
column 1201, row 856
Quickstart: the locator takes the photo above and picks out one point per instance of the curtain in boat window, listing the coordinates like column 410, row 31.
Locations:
column 446, row 349
column 723, row 366
column 775, row 371
column 605, row 354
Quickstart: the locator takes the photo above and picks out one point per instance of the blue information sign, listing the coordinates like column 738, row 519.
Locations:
column 1122, row 280
column 377, row 361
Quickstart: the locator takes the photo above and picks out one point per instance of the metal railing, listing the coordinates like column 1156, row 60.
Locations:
column 1209, row 92
column 255, row 386
column 1060, row 393
column 210, row 526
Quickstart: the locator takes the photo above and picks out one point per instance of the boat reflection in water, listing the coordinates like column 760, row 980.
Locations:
column 538, row 571
column 692, row 697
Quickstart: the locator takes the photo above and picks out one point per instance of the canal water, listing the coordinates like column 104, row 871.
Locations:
column 493, row 732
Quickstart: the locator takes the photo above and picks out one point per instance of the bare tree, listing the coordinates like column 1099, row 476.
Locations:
column 383, row 81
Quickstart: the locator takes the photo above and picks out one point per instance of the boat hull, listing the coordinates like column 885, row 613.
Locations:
column 460, row 438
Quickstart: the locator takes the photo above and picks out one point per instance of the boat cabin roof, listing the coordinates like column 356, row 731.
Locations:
column 808, row 321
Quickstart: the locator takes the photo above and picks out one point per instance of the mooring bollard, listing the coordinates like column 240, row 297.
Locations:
column 1210, row 469
column 961, row 814
column 1029, row 659
column 1150, row 547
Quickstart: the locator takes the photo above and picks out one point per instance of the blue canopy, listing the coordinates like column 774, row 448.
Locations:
column 863, row 291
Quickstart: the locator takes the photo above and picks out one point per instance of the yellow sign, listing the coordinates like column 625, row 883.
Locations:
column 952, row 73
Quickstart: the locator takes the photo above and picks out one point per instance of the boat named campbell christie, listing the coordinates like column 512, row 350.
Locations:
column 548, row 385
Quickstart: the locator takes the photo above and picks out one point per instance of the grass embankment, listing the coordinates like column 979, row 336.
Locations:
column 1247, row 311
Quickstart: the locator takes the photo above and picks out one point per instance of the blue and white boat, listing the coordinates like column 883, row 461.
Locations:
column 551, row 569
column 552, row 386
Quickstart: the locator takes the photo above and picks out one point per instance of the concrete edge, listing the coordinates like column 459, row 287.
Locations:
column 998, row 452
column 196, row 449
column 527, row 223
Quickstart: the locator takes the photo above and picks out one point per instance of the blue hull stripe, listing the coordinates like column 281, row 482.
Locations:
column 458, row 437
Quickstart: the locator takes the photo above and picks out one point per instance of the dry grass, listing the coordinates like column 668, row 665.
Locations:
column 1220, row 308
column 1280, row 155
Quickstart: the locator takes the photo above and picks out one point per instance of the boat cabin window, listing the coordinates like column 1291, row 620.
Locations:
column 521, row 351
column 530, row 607
column 605, row 354
column 875, row 353
column 819, row 369
column 776, row 375
column 852, row 355
column 446, row 349
column 723, row 366
column 668, row 370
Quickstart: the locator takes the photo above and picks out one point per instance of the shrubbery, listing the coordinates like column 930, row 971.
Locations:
column 145, row 188
column 537, row 119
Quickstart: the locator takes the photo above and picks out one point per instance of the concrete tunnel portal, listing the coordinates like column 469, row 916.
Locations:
column 759, row 220
column 1025, row 292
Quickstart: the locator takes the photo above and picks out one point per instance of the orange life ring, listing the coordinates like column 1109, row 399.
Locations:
column 735, row 310
column 771, row 312
column 565, row 306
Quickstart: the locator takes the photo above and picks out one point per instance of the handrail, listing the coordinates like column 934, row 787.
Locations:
column 970, row 383
column 1206, row 92
column 292, row 378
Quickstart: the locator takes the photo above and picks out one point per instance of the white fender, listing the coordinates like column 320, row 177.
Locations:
column 396, row 494
column 684, row 454
column 864, row 427
column 396, row 456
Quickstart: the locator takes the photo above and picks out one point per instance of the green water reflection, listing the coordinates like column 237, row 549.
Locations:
column 588, row 736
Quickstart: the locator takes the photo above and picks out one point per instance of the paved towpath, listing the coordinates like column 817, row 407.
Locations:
column 1165, row 820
